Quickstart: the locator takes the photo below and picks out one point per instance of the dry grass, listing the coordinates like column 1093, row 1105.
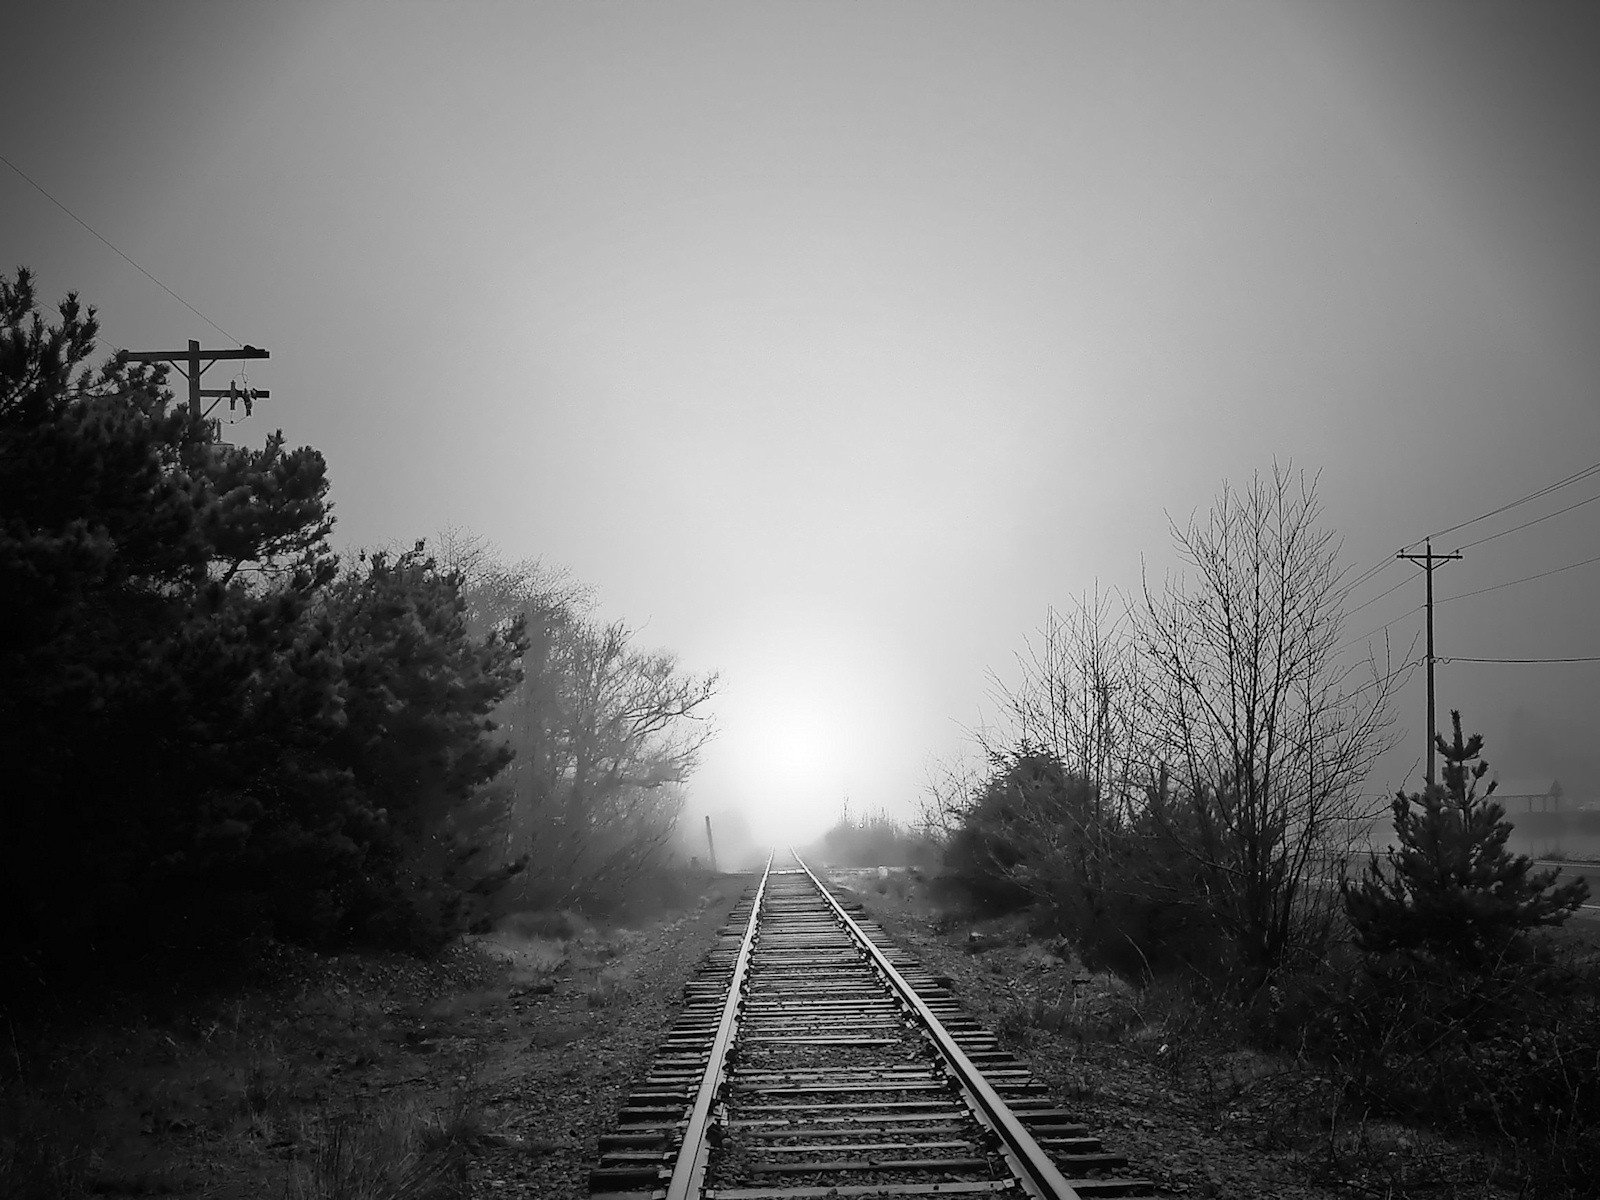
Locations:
column 614, row 985
column 400, row 1151
column 345, row 1076
column 546, row 948
column 262, row 1094
column 553, row 925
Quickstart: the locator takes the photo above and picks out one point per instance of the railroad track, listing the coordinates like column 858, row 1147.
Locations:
column 812, row 1059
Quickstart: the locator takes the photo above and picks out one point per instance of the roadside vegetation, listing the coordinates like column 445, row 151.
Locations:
column 873, row 839
column 355, row 1075
column 1179, row 807
column 219, row 733
column 237, row 761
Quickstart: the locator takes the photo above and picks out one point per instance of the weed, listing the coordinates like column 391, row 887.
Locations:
column 386, row 1155
column 459, row 1125
column 610, row 987
column 551, row 924
column 1013, row 1023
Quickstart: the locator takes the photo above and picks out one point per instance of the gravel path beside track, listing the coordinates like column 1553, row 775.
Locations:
column 557, row 1066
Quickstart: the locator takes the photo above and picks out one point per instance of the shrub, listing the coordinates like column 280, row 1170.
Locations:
column 874, row 840
column 1513, row 1048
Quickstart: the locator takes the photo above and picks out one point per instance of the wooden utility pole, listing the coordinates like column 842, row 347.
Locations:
column 710, row 845
column 1428, row 558
column 191, row 363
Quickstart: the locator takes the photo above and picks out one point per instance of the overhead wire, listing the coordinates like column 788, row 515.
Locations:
column 1547, row 489
column 1407, row 667
column 1579, row 659
column 1575, row 477
column 1374, row 633
column 1525, row 579
column 1525, row 524
column 1378, row 597
column 1377, row 566
column 1365, row 575
column 118, row 250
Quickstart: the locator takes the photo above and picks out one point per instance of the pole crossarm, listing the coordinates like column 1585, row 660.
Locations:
column 182, row 356
column 193, row 362
column 183, row 359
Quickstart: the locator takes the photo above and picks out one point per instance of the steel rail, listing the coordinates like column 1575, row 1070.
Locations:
column 689, row 1168
column 1038, row 1175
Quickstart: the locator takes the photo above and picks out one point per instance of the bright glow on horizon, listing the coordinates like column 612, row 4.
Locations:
column 830, row 344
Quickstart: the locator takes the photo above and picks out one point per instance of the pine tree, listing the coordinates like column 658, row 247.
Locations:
column 1451, row 890
column 206, row 730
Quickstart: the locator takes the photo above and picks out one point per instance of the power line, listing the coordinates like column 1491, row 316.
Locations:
column 1382, row 562
column 1374, row 569
column 1588, row 658
column 1524, row 579
column 1534, row 495
column 1406, row 668
column 1374, row 633
column 37, row 187
column 1525, row 524
column 1379, row 596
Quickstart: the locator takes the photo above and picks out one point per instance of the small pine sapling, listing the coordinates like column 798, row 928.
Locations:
column 1450, row 889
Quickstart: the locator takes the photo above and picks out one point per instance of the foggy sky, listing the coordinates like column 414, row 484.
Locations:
column 831, row 343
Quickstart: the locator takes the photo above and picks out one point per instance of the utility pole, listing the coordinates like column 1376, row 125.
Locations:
column 1428, row 558
column 711, row 845
column 189, row 364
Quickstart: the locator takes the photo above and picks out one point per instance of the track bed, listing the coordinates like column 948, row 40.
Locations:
column 813, row 1059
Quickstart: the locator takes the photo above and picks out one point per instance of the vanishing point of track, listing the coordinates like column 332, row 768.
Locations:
column 814, row 1060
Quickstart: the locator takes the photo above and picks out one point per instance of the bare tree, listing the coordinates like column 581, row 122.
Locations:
column 1078, row 700
column 1080, row 696
column 635, row 721
column 947, row 794
column 604, row 733
column 1267, row 737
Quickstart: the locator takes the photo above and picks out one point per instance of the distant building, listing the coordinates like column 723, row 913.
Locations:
column 1529, row 795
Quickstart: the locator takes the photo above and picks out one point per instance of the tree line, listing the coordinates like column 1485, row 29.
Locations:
column 213, row 728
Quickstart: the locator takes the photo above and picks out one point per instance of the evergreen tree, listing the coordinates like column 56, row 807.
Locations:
column 416, row 740
column 156, row 660
column 1451, row 889
column 205, row 730
column 1015, row 840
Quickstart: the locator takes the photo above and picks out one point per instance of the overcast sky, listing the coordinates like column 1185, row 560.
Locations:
column 833, row 342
